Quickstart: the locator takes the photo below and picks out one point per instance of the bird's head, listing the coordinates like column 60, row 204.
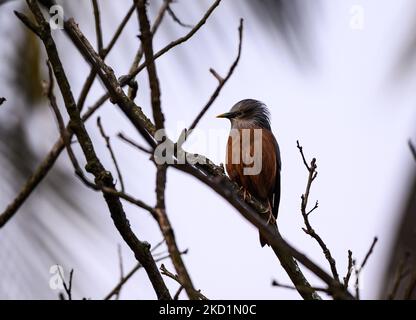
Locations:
column 248, row 113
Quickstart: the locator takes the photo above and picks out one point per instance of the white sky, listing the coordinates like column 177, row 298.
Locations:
column 344, row 109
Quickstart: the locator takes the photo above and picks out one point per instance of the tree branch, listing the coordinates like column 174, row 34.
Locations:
column 133, row 271
column 304, row 204
column 169, row 235
column 147, row 43
column 359, row 269
column 110, row 149
column 94, row 166
column 48, row 162
column 176, row 19
column 221, row 81
column 98, row 30
column 197, row 293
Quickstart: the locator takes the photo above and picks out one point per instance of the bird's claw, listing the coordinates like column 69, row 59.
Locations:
column 246, row 194
column 271, row 219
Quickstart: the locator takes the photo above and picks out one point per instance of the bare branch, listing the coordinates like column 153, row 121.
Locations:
column 304, row 203
column 211, row 176
column 216, row 75
column 103, row 53
column 132, row 272
column 27, row 22
column 147, row 42
column 221, row 83
column 134, row 144
column 98, row 29
column 177, row 42
column 48, row 162
column 176, row 296
column 370, row 251
column 128, row 198
column 67, row 287
column 166, row 272
column 61, row 126
column 44, row 167
column 155, row 27
column 169, row 235
column 306, row 289
column 94, row 166
column 177, row 20
column 110, row 149
column 349, row 269
column 360, row 268
column 120, row 265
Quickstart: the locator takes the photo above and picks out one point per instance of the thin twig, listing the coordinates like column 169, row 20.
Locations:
column 177, row 20
column 176, row 296
column 222, row 82
column 177, row 42
column 131, row 273
column 67, row 287
column 94, row 166
column 370, row 251
column 48, row 162
column 147, row 43
column 61, row 126
column 98, row 29
column 349, row 270
column 44, row 167
column 166, row 272
column 305, row 214
column 128, row 198
column 103, row 53
column 357, row 279
column 285, row 286
column 112, row 154
column 120, row 265
column 155, row 27
column 134, row 144
column 359, row 269
column 169, row 235
column 216, row 75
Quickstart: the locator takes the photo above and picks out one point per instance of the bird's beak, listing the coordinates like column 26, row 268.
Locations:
column 227, row 115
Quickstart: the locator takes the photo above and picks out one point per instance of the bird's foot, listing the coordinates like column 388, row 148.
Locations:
column 246, row 194
column 271, row 219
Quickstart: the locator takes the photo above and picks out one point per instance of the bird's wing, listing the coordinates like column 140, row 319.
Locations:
column 276, row 193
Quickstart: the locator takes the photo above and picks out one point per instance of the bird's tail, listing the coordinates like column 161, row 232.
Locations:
column 271, row 220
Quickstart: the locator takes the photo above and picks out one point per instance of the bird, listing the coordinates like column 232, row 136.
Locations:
column 250, row 127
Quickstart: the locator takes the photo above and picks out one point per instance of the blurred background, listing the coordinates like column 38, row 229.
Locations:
column 337, row 75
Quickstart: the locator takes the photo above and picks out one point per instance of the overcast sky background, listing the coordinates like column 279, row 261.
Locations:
column 339, row 96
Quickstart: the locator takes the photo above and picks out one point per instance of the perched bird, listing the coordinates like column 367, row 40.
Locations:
column 253, row 155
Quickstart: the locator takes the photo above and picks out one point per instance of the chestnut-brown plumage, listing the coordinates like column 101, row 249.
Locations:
column 250, row 126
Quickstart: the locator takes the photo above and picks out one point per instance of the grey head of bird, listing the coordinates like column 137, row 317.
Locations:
column 248, row 113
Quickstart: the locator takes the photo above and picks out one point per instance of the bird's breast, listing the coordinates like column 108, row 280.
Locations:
column 251, row 160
